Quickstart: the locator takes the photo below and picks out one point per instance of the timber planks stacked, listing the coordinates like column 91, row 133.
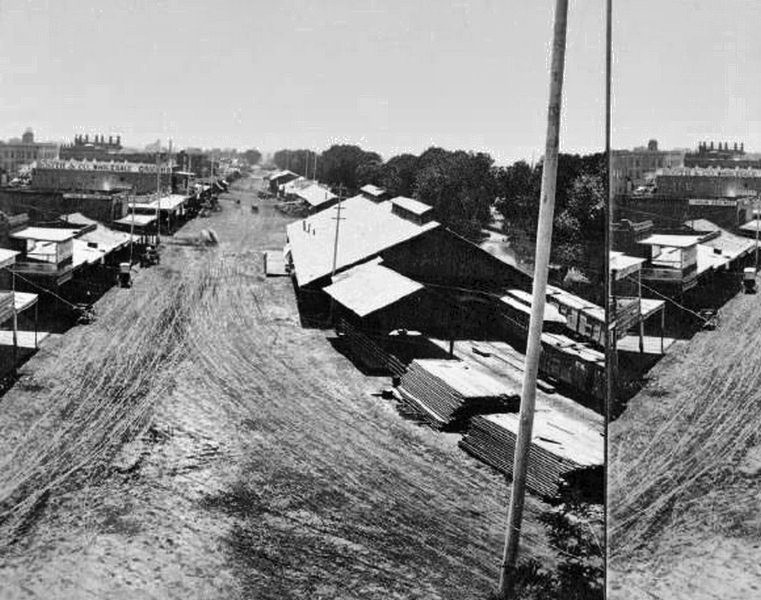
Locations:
column 369, row 353
column 447, row 392
column 556, row 448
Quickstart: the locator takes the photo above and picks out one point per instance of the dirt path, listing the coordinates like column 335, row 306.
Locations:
column 684, row 504
column 264, row 468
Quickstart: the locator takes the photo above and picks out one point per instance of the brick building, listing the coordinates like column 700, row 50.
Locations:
column 16, row 153
column 633, row 168
column 94, row 176
column 722, row 156
column 698, row 182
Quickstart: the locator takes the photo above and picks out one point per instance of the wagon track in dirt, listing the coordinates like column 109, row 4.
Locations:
column 266, row 467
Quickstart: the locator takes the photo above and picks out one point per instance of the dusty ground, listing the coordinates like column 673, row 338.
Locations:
column 684, row 515
column 254, row 461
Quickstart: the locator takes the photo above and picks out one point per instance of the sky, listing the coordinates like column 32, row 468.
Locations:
column 390, row 75
column 686, row 71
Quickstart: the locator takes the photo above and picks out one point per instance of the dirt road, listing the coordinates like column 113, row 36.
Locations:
column 684, row 517
column 243, row 456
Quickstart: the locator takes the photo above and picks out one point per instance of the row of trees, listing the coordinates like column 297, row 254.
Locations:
column 460, row 185
column 464, row 187
column 579, row 225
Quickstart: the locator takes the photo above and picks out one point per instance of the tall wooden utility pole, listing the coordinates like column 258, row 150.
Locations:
column 335, row 241
column 611, row 334
column 534, row 346
column 158, row 193
column 756, row 206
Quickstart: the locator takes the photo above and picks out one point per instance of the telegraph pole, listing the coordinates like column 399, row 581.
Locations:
column 756, row 206
column 611, row 332
column 534, row 347
column 335, row 241
column 158, row 194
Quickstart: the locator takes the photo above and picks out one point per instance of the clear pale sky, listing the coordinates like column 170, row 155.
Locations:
column 390, row 75
column 687, row 71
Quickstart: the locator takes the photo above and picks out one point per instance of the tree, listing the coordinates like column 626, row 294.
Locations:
column 586, row 204
column 460, row 186
column 518, row 187
column 298, row 161
column 340, row 164
column 369, row 172
column 252, row 156
column 398, row 175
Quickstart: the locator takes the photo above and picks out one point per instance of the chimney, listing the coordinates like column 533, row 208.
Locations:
column 742, row 147
column 735, row 146
column 712, row 145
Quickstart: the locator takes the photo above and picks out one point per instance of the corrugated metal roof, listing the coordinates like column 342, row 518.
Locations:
column 366, row 229
column 412, row 205
column 370, row 287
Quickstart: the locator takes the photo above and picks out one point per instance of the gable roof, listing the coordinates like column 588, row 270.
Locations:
column 365, row 230
column 410, row 204
column 369, row 287
column 315, row 195
column 372, row 190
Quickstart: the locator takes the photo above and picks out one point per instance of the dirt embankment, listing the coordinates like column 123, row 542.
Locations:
column 197, row 442
column 684, row 517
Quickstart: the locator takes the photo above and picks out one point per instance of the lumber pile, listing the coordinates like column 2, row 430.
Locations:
column 370, row 354
column 558, row 446
column 447, row 392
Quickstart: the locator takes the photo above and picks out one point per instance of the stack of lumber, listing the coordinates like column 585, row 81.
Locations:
column 369, row 353
column 448, row 392
column 560, row 444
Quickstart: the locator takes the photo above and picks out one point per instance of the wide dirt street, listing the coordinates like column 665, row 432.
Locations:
column 684, row 512
column 197, row 442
